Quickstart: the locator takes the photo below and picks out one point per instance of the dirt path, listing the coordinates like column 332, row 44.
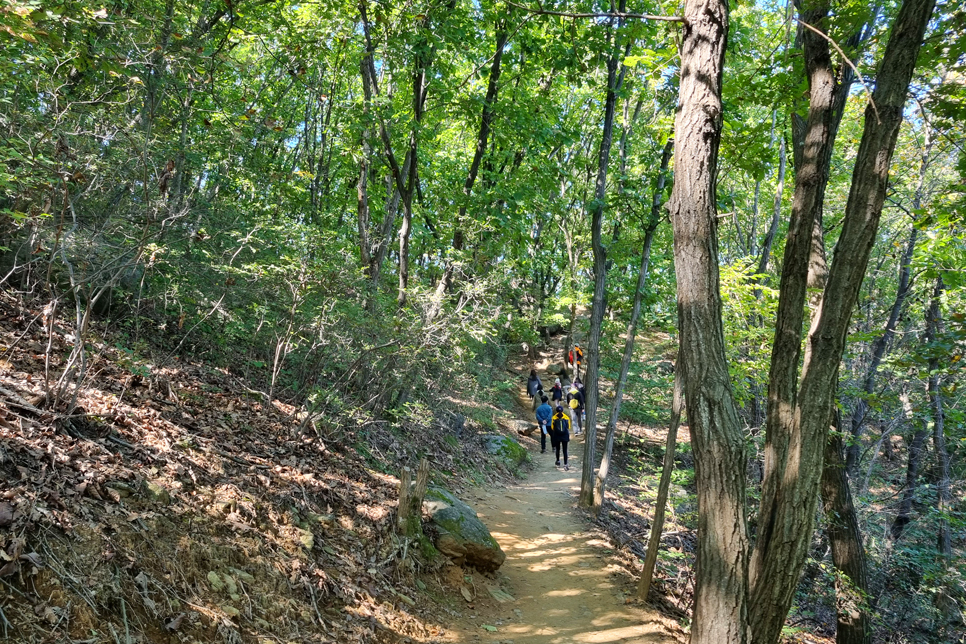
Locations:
column 565, row 585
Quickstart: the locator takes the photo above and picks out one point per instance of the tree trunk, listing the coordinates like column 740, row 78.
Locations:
column 933, row 328
column 486, row 119
column 909, row 489
column 591, row 386
column 615, row 409
column 794, row 462
column 882, row 343
column 721, row 571
column 878, row 353
column 657, row 524
column 845, row 540
column 776, row 210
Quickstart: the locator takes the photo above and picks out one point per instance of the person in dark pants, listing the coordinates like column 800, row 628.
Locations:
column 556, row 392
column 544, row 414
column 575, row 399
column 537, row 397
column 533, row 383
column 560, row 426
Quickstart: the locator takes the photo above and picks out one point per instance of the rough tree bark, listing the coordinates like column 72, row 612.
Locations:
column 657, row 524
column 653, row 221
column 591, row 386
column 800, row 428
column 845, row 540
column 721, row 571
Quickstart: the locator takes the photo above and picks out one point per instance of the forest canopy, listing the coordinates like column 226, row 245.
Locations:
column 356, row 205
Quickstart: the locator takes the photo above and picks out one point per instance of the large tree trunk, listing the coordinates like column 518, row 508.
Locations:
column 657, row 524
column 845, row 541
column 794, row 462
column 598, row 303
column 721, row 571
column 615, row 409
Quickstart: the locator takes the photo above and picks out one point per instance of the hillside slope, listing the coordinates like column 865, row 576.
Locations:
column 176, row 504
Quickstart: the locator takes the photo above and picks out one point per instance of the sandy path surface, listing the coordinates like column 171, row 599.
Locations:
column 565, row 586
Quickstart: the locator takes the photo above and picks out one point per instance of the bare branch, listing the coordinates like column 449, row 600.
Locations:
column 616, row 14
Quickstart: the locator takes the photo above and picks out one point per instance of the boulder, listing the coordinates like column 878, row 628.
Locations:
column 519, row 426
column 460, row 534
column 556, row 369
column 512, row 452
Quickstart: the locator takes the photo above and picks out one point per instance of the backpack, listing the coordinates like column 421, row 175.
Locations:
column 560, row 425
column 574, row 404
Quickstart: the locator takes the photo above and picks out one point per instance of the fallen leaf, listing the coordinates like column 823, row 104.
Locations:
column 466, row 593
column 492, row 629
column 6, row 514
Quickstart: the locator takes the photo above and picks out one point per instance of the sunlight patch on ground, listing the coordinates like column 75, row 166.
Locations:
column 621, row 634
column 569, row 592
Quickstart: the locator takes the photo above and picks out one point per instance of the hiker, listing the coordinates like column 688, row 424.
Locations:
column 575, row 400
column 560, row 426
column 576, row 356
column 533, row 383
column 544, row 414
column 556, row 392
column 537, row 397
column 579, row 384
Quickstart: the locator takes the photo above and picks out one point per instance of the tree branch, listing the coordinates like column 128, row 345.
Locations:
column 617, row 14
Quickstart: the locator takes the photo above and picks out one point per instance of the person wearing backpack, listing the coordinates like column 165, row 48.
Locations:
column 533, row 383
column 576, row 357
column 556, row 392
column 537, row 398
column 575, row 400
column 544, row 414
column 560, row 426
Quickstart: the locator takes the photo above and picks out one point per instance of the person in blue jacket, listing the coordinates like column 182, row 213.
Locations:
column 544, row 414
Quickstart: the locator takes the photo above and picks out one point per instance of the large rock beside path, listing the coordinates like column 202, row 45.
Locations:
column 461, row 534
column 512, row 452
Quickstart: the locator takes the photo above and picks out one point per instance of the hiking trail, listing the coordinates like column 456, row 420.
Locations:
column 566, row 585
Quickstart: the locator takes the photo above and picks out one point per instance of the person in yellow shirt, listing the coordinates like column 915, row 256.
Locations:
column 560, row 434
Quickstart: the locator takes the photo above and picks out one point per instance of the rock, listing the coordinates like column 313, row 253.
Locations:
column 519, row 426
column 511, row 451
column 666, row 367
column 157, row 493
column 556, row 369
column 461, row 534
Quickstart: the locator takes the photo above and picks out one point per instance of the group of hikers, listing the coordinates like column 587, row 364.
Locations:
column 559, row 411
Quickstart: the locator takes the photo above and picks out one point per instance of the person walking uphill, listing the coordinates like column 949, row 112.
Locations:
column 556, row 392
column 533, row 383
column 576, row 357
column 575, row 399
column 544, row 414
column 560, row 426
